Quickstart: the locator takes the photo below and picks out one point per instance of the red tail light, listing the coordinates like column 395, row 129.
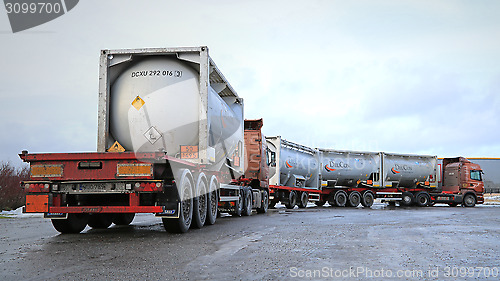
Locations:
column 37, row 187
column 148, row 186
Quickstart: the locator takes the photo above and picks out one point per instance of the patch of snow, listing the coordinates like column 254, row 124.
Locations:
column 18, row 213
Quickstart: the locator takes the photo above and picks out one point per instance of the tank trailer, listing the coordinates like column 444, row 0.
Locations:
column 172, row 141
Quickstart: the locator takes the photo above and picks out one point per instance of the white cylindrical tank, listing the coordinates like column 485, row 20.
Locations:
column 155, row 104
column 346, row 168
column 408, row 170
column 150, row 111
column 297, row 165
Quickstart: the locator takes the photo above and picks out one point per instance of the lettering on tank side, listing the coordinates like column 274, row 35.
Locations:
column 295, row 163
column 333, row 165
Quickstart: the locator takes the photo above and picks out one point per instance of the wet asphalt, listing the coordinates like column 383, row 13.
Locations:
column 317, row 243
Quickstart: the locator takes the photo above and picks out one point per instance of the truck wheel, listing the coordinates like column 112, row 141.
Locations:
column 213, row 202
column 422, row 199
column 239, row 205
column 367, row 199
column 100, row 220
column 407, row 198
column 272, row 204
column 183, row 222
column 354, row 199
column 75, row 223
column 265, row 203
column 292, row 200
column 319, row 203
column 247, row 203
column 469, row 200
column 340, row 198
column 200, row 202
column 304, row 198
column 123, row 218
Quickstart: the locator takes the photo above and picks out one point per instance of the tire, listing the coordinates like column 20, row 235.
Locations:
column 367, row 199
column 469, row 200
column 292, row 200
column 272, row 204
column 407, row 199
column 100, row 221
column 304, row 198
column 264, row 204
column 213, row 202
column 422, row 199
column 183, row 222
column 247, row 203
column 354, row 199
column 340, row 198
column 200, row 202
column 319, row 203
column 123, row 218
column 75, row 223
column 239, row 205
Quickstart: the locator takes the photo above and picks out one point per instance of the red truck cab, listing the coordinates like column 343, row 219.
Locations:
column 462, row 179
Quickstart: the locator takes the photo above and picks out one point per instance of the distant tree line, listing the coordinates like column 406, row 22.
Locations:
column 11, row 193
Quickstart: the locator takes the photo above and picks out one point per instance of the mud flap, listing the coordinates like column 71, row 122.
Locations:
column 61, row 216
column 170, row 213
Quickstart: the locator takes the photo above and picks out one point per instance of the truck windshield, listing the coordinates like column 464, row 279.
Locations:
column 475, row 175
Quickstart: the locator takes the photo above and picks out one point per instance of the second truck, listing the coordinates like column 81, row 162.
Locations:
column 172, row 141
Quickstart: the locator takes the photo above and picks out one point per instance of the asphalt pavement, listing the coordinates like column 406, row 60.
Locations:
column 319, row 243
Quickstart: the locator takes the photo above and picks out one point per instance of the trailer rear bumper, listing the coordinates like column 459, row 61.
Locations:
column 107, row 209
column 51, row 207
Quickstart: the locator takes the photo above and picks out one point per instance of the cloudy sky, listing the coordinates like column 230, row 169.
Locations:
column 397, row 76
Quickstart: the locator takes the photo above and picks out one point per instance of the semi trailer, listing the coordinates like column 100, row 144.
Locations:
column 172, row 141
column 348, row 178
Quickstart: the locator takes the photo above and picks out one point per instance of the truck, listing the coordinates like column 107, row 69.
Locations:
column 491, row 172
column 299, row 174
column 170, row 142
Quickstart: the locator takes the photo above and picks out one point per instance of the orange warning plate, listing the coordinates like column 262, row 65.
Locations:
column 37, row 203
column 189, row 152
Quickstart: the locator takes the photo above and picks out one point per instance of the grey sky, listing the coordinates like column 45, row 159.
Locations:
column 396, row 76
